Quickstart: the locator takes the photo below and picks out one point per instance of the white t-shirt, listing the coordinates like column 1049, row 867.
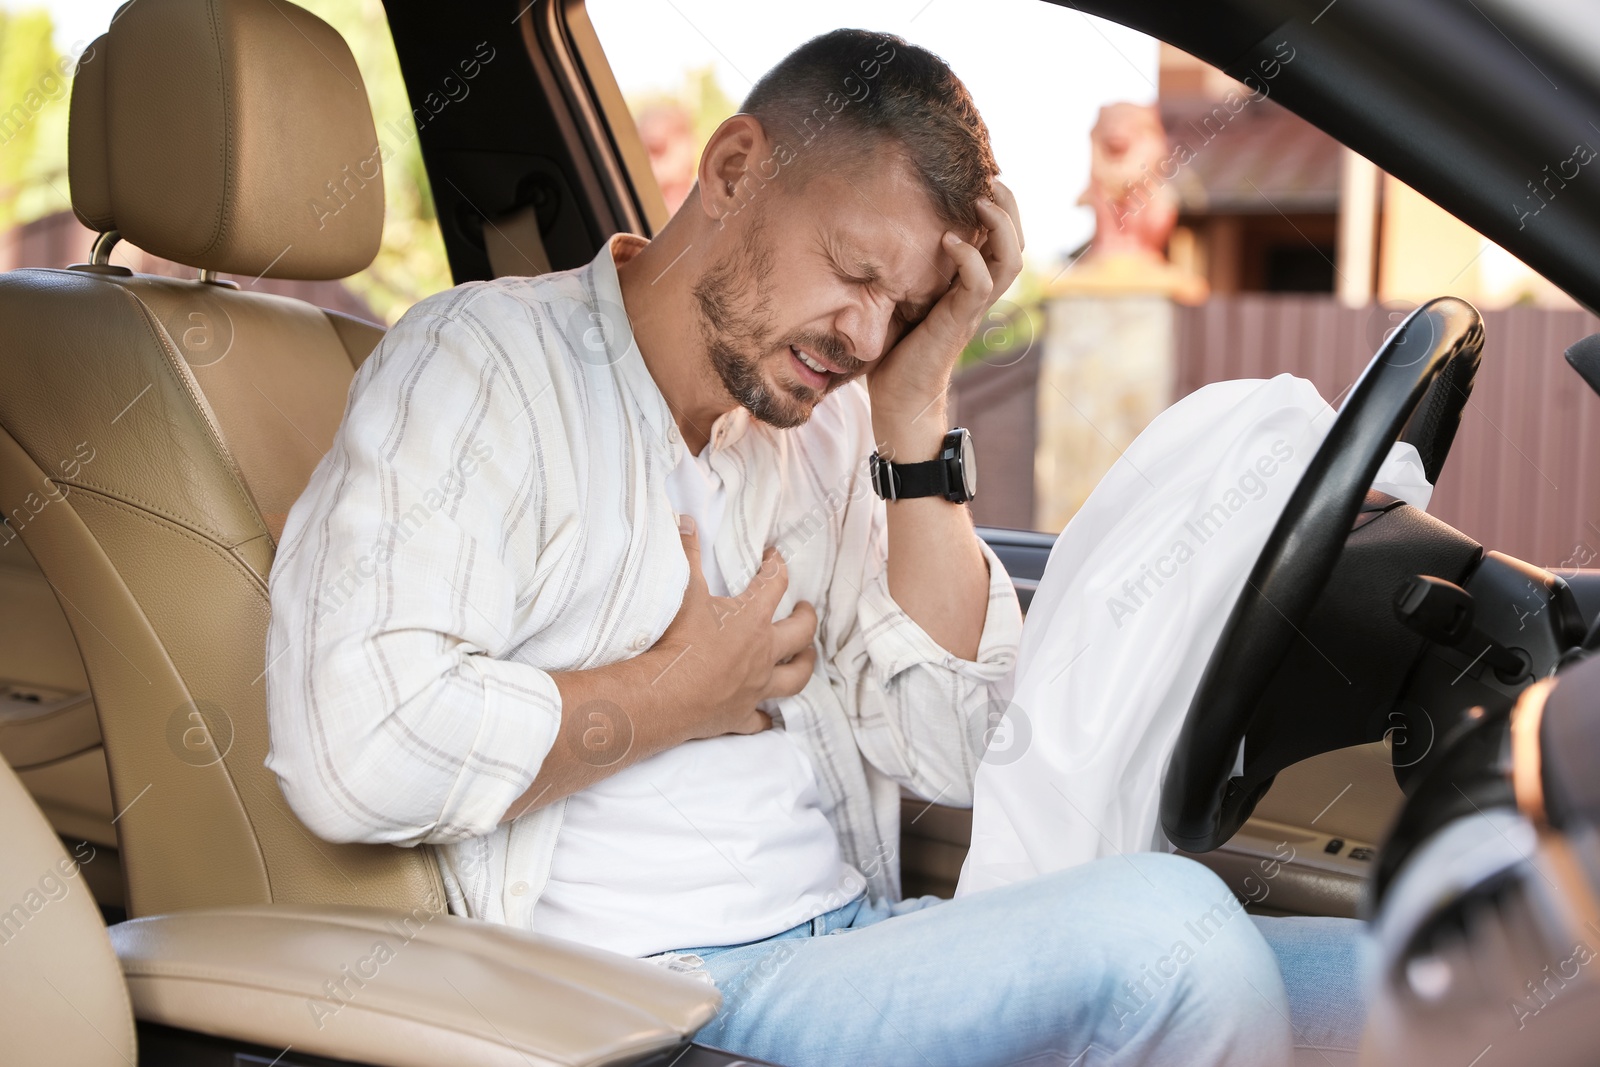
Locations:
column 717, row 841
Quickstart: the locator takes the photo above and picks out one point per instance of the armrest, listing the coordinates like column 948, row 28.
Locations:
column 402, row 990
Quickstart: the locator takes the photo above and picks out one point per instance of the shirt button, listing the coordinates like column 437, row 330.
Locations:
column 672, row 433
column 640, row 643
column 518, row 888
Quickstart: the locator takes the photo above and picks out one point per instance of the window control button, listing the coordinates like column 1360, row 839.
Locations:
column 1334, row 847
column 1362, row 854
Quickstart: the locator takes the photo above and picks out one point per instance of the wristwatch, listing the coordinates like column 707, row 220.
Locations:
column 954, row 475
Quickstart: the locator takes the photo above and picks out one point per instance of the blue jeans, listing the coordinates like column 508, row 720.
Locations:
column 1144, row 958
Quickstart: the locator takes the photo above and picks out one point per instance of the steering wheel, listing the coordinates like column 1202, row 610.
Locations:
column 1434, row 354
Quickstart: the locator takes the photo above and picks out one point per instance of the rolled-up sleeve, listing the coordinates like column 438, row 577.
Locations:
column 919, row 712
column 393, row 718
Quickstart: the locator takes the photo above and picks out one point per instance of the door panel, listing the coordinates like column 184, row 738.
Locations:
column 48, row 729
column 1349, row 794
column 46, row 713
column 1283, row 861
column 1323, row 819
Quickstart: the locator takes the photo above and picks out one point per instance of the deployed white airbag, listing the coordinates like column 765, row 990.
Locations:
column 1132, row 601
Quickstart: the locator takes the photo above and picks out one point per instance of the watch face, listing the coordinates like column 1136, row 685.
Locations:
column 969, row 466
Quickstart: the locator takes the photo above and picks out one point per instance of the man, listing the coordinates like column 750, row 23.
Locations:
column 595, row 594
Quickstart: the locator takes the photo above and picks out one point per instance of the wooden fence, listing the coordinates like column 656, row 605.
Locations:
column 1523, row 476
column 1524, row 472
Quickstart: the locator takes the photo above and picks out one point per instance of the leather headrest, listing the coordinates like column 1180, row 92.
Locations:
column 230, row 135
column 86, row 141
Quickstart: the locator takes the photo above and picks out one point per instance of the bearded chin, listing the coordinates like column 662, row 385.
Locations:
column 742, row 378
column 733, row 297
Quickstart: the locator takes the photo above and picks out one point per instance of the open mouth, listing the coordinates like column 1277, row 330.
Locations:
column 809, row 369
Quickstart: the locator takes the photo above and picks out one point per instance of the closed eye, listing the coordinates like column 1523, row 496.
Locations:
column 911, row 314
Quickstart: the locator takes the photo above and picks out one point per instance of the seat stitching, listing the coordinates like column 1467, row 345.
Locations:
column 215, row 546
column 197, row 397
column 220, row 231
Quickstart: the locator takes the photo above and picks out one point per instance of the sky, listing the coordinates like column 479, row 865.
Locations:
column 1039, row 72
column 77, row 22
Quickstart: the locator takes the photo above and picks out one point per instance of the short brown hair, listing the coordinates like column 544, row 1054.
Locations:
column 869, row 88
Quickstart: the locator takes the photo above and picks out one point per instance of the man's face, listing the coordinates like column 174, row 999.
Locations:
column 830, row 275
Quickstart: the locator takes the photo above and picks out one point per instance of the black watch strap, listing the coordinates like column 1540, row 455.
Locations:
column 897, row 480
column 947, row 475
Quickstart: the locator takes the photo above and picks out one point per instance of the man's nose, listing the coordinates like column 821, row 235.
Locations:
column 864, row 326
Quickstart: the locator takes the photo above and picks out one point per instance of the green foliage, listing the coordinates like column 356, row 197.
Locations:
column 1015, row 321
column 33, row 119
column 33, row 146
column 411, row 263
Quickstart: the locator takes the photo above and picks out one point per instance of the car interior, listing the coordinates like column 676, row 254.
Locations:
column 145, row 490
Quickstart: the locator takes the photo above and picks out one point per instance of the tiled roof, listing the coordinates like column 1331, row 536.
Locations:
column 1257, row 159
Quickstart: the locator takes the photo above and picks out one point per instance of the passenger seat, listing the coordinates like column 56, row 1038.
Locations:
column 233, row 136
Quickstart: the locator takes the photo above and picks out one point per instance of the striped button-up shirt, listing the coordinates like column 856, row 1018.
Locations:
column 494, row 509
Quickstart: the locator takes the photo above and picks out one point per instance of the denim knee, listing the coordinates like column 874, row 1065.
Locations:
column 1206, row 980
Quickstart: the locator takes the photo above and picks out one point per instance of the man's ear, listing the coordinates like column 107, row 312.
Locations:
column 730, row 173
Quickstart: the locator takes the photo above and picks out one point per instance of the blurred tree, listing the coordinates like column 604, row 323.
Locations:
column 33, row 119
column 1014, row 323
column 33, row 146
column 701, row 96
column 411, row 263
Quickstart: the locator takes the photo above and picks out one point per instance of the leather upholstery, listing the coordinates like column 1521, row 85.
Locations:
column 237, row 138
column 438, row 990
column 271, row 372
column 86, row 141
column 75, row 795
column 403, row 990
column 155, row 431
column 160, row 555
column 62, row 991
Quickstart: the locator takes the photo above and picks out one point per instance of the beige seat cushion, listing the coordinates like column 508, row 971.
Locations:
column 60, row 986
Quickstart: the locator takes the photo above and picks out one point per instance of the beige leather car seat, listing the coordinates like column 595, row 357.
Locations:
column 272, row 978
column 155, row 431
column 62, row 988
